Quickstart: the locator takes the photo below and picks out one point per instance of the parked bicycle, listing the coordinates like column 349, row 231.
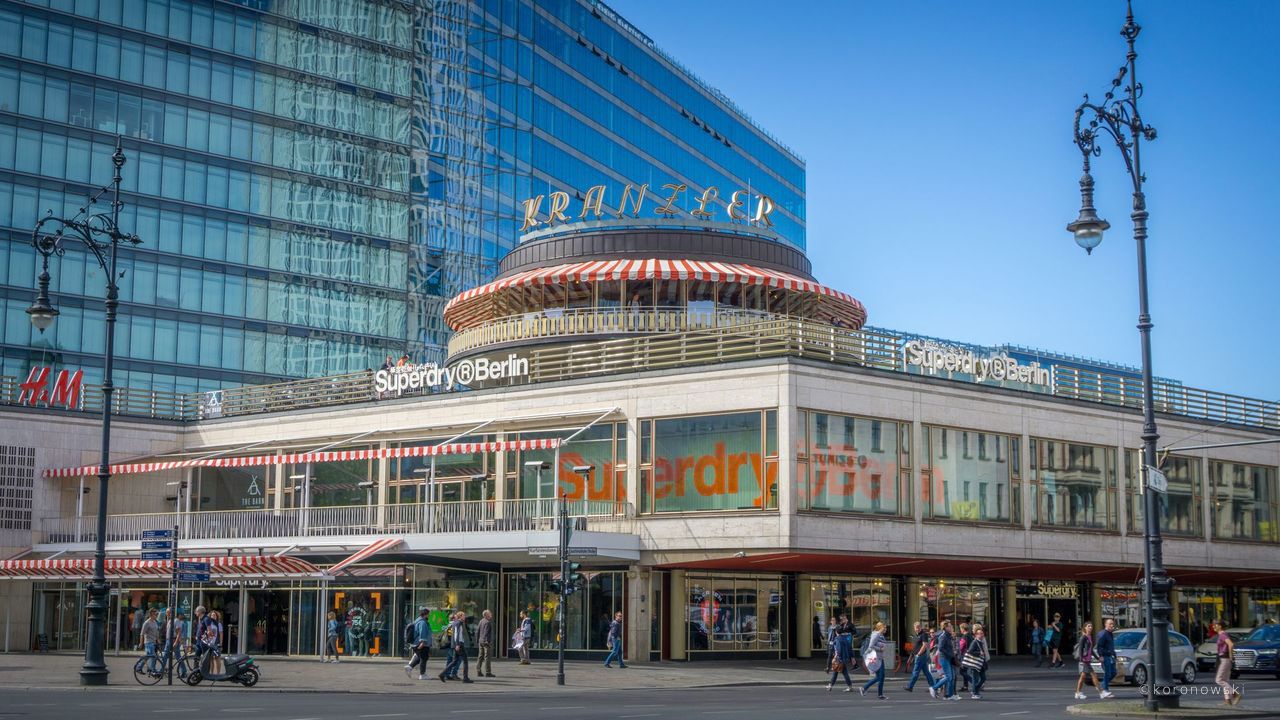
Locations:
column 183, row 664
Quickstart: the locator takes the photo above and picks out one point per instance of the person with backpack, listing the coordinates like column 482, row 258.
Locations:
column 1037, row 641
column 1053, row 639
column 873, row 656
column 1083, row 652
column 945, row 647
column 919, row 656
column 976, row 658
column 841, row 660
column 421, row 644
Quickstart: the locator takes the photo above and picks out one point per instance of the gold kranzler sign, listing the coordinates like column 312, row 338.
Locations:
column 633, row 197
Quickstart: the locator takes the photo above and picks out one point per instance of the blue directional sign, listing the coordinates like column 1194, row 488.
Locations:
column 193, row 567
column 157, row 544
column 159, row 555
column 157, row 534
column 193, row 577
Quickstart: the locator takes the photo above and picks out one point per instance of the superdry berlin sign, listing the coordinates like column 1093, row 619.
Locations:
column 430, row 376
column 945, row 358
column 65, row 391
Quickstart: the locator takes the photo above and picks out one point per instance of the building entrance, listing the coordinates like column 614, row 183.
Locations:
column 268, row 622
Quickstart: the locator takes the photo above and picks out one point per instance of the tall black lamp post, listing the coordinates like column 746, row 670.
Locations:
column 1118, row 118
column 100, row 234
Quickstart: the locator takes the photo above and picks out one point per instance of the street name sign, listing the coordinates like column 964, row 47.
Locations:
column 157, row 534
column 193, row 577
column 157, row 544
column 159, row 555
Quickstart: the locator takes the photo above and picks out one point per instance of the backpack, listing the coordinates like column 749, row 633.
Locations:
column 410, row 633
column 1078, row 652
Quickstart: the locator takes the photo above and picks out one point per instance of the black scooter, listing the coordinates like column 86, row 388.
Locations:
column 236, row 668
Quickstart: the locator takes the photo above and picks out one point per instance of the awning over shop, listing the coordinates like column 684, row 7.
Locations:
column 230, row 567
column 312, row 457
column 367, row 551
column 460, row 310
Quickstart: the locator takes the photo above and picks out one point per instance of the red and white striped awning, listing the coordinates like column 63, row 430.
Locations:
column 235, row 567
column 313, row 457
column 461, row 310
column 369, row 550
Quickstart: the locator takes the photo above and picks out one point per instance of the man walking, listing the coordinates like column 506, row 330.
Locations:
column 484, row 638
column 421, row 645
column 946, row 647
column 459, row 644
column 919, row 656
column 615, row 642
column 1105, row 648
column 526, row 635
column 151, row 638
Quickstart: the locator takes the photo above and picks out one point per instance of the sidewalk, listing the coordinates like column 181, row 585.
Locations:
column 280, row 674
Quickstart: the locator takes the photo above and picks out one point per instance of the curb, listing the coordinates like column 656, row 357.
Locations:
column 1191, row 713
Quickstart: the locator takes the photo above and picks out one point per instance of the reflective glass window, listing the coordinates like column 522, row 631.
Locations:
column 960, row 483
column 1244, row 501
column 1073, row 485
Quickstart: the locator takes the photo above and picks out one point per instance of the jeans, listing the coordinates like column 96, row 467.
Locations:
column 1037, row 652
column 979, row 678
column 918, row 668
column 420, row 657
column 1108, row 672
column 524, row 651
column 459, row 661
column 484, row 663
column 331, row 647
column 151, row 654
column 615, row 652
column 835, row 674
column 947, row 683
column 878, row 677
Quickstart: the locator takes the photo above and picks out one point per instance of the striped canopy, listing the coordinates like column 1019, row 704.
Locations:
column 473, row 306
column 241, row 566
column 312, row 457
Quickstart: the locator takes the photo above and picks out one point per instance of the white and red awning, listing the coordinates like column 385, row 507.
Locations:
column 313, row 457
column 460, row 310
column 367, row 551
column 233, row 567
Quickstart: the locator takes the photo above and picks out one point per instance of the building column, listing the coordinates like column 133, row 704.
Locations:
column 384, row 479
column 1244, row 608
column 676, row 612
column 1175, row 616
column 633, row 463
column 913, row 604
column 1009, row 633
column 804, row 624
column 639, row 624
column 1095, row 605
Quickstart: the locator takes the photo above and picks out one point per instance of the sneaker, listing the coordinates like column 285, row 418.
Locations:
column 974, row 696
column 882, row 697
column 862, row 692
column 408, row 672
column 422, row 677
column 467, row 681
column 1107, row 694
column 442, row 678
column 488, row 674
column 908, row 689
column 954, row 698
column 849, row 689
column 933, row 693
column 1080, row 696
column 828, row 687
column 608, row 666
column 621, row 666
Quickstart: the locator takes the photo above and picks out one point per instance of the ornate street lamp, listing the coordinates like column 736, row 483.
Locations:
column 1118, row 117
column 100, row 234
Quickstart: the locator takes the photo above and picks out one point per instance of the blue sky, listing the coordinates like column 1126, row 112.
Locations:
column 941, row 170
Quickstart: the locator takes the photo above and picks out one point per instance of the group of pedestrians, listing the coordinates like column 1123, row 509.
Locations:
column 841, row 634
column 1047, row 641
column 419, row 637
column 944, row 656
column 164, row 639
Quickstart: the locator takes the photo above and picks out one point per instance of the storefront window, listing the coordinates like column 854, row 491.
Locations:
column 1264, row 605
column 1180, row 506
column 955, row 600
column 712, row 462
column 1073, row 485
column 587, row 616
column 233, row 488
column 852, row 464
column 865, row 601
column 734, row 613
column 971, row 476
column 1123, row 603
column 1198, row 607
column 1244, row 501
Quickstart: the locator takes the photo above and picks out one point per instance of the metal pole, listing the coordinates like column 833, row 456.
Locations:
column 94, row 671
column 173, row 591
column 564, row 578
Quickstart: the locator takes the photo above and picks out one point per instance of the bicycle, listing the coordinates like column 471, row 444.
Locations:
column 182, row 666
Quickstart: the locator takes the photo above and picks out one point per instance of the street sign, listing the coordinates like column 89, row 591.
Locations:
column 185, row 566
column 1156, row 480
column 157, row 544
column 193, row 577
column 553, row 550
column 582, row 551
column 158, row 555
column 157, row 534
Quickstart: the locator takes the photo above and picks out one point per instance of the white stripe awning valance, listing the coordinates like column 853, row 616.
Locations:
column 239, row 566
column 313, row 457
column 369, row 550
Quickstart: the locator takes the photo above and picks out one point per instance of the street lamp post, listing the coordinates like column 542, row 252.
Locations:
column 1118, row 117
column 48, row 237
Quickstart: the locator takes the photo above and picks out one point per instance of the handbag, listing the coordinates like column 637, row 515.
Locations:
column 972, row 661
column 837, row 665
column 872, row 661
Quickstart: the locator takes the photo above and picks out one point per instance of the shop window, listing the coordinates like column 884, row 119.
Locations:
column 711, row 462
column 952, row 477
column 1080, row 495
column 587, row 614
column 733, row 614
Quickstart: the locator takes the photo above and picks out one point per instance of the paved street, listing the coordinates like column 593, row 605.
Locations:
column 41, row 687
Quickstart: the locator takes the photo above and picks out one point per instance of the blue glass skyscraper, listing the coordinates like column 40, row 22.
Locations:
column 313, row 179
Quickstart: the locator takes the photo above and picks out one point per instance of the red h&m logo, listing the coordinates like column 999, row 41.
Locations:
column 66, row 389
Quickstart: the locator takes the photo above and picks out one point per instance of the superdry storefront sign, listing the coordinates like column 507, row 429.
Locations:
column 945, row 358
column 472, row 371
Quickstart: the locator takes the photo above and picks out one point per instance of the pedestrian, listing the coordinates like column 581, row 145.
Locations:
column 946, row 649
column 197, row 632
column 1037, row 641
column 150, row 639
column 1053, row 639
column 484, row 638
column 919, row 656
column 874, row 659
column 1104, row 647
column 421, row 645
column 841, row 660
column 213, row 642
column 179, row 633
column 1231, row 694
column 1084, row 654
column 962, row 647
column 331, row 638
column 615, row 641
column 831, row 636
column 976, row 659
column 526, row 636
column 458, row 641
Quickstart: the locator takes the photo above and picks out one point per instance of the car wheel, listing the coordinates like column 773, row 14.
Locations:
column 1139, row 675
column 1189, row 674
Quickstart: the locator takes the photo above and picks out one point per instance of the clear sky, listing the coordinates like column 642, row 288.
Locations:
column 942, row 173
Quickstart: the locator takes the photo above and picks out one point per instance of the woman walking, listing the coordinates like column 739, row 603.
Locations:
column 331, row 637
column 1084, row 653
column 526, row 634
column 1231, row 694
column 875, row 660
column 841, row 659
column 976, row 658
column 962, row 648
column 1037, row 641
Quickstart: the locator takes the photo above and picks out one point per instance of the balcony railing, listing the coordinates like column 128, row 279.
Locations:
column 467, row 516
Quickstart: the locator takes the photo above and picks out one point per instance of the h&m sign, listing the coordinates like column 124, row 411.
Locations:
column 633, row 196
column 65, row 391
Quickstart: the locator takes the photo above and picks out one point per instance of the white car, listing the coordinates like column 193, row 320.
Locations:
column 1207, row 651
column 1133, row 661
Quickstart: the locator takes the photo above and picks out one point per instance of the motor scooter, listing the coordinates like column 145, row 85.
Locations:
column 235, row 668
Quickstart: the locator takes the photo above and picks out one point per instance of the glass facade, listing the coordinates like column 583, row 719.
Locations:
column 1073, row 485
column 1244, row 501
column 734, row 614
column 852, row 464
column 1180, row 507
column 587, row 616
column 313, row 179
column 972, row 475
column 711, row 462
